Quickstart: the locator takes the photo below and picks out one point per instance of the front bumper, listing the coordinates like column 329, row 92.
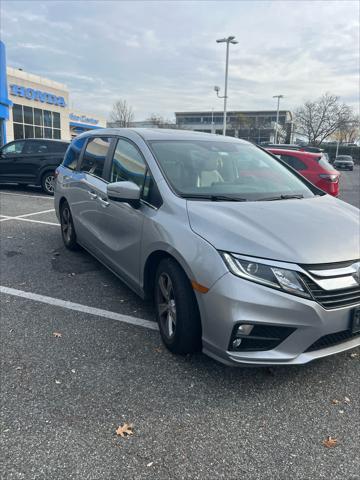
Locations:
column 232, row 300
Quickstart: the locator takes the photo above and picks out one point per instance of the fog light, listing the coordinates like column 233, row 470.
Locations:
column 236, row 343
column 244, row 329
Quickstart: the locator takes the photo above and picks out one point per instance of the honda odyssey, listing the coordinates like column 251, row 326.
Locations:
column 243, row 257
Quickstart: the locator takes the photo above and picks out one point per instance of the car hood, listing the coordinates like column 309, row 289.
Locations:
column 309, row 231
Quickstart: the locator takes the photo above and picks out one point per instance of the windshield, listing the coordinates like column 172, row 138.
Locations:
column 215, row 168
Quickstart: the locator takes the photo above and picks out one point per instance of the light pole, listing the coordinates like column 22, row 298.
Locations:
column 227, row 40
column 277, row 116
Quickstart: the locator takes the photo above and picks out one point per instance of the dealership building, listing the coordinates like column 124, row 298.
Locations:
column 255, row 126
column 32, row 106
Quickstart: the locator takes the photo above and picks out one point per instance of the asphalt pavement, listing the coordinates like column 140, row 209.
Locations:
column 76, row 364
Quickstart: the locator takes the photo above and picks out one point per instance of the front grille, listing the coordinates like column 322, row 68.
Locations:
column 262, row 337
column 344, row 297
column 332, row 339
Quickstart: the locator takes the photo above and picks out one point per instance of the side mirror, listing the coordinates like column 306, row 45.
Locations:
column 127, row 192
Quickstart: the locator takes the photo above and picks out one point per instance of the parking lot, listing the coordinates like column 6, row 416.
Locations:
column 81, row 355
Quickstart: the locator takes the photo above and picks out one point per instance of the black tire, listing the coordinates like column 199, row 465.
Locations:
column 48, row 183
column 67, row 227
column 184, row 333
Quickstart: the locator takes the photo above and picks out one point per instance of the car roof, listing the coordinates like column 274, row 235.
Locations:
column 163, row 134
column 295, row 152
column 57, row 140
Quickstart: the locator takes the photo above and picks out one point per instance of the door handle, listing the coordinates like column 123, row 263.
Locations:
column 103, row 202
column 92, row 195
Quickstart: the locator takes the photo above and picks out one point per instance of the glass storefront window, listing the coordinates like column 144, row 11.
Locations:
column 30, row 122
column 47, row 119
column 47, row 133
column 28, row 115
column 56, row 119
column 18, row 131
column 18, row 114
column 39, row 132
column 29, row 131
column 38, row 120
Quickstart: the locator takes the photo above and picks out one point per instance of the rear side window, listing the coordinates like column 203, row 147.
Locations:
column 73, row 153
column 95, row 154
column 325, row 164
column 57, row 147
column 36, row 147
column 294, row 162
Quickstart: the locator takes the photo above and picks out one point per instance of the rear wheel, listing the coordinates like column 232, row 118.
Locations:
column 48, row 183
column 67, row 227
column 176, row 309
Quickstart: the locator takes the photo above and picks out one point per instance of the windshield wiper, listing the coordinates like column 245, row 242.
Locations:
column 281, row 197
column 215, row 198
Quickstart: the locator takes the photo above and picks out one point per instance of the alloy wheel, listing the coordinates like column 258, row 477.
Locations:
column 66, row 224
column 166, row 305
column 49, row 183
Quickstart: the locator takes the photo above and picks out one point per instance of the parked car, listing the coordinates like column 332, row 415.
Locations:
column 243, row 256
column 312, row 166
column 344, row 162
column 32, row 161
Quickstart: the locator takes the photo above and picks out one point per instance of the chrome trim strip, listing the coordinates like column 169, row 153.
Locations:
column 335, row 272
column 336, row 283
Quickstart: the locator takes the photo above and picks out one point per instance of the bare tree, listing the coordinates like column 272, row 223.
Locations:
column 321, row 118
column 160, row 121
column 122, row 114
column 156, row 119
column 350, row 131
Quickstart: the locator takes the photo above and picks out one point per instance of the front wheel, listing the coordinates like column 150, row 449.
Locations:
column 67, row 227
column 176, row 309
column 48, row 183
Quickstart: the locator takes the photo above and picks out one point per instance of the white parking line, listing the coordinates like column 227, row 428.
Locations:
column 78, row 307
column 45, row 197
column 32, row 221
column 22, row 217
column 35, row 213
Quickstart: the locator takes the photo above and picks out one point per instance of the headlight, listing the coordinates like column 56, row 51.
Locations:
column 274, row 277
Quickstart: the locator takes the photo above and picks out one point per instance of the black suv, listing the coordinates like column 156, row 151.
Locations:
column 31, row 161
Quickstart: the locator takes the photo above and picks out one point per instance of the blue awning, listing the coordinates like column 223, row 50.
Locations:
column 83, row 126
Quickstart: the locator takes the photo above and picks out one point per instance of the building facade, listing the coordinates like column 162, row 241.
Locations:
column 255, row 126
column 32, row 106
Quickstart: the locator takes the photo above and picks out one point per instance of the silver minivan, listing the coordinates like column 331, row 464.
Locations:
column 244, row 258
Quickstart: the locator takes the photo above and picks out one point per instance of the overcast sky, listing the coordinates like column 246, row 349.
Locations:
column 162, row 56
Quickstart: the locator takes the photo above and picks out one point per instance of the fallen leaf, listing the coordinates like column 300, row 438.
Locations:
column 347, row 400
column 335, row 402
column 330, row 442
column 57, row 334
column 158, row 350
column 126, row 429
column 354, row 355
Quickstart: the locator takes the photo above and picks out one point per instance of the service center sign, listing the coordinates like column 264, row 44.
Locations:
column 37, row 95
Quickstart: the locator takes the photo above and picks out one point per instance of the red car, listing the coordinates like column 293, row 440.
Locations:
column 312, row 166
